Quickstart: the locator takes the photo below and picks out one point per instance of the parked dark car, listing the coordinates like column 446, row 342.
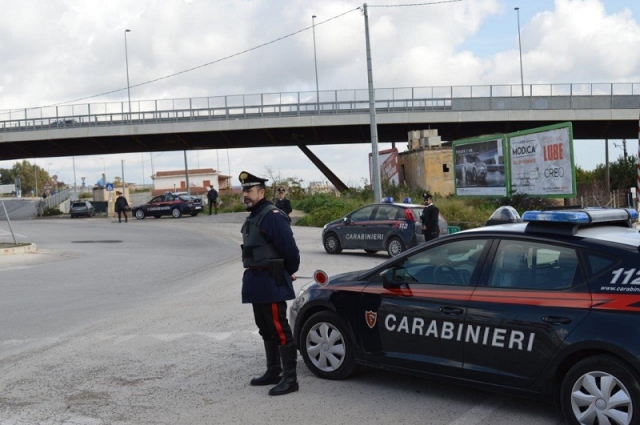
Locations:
column 547, row 308
column 392, row 227
column 168, row 204
column 81, row 208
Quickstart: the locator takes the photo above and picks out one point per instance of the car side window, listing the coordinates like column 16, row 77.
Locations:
column 156, row 199
column 386, row 212
column 450, row 263
column 363, row 214
column 527, row 265
column 597, row 263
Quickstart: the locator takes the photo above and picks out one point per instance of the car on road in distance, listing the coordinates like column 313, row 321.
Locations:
column 81, row 208
column 387, row 226
column 546, row 308
column 168, row 204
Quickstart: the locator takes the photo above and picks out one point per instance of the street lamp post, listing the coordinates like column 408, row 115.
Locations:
column 315, row 60
column 126, row 60
column 104, row 174
column 517, row 9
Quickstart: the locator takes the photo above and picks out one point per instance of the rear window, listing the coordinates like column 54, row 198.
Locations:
column 78, row 204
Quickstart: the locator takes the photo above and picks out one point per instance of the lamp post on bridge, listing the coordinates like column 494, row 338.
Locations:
column 315, row 61
column 517, row 9
column 126, row 61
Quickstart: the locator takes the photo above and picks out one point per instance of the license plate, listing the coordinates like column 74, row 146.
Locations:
column 198, row 208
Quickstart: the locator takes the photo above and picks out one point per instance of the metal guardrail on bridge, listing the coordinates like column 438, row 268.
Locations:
column 286, row 104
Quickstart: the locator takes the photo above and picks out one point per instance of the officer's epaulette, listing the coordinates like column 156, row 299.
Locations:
column 275, row 211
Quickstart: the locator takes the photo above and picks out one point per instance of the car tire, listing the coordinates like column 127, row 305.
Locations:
column 331, row 244
column 395, row 246
column 598, row 389
column 370, row 251
column 139, row 214
column 176, row 213
column 327, row 347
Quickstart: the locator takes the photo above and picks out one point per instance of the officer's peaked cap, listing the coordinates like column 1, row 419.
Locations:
column 426, row 196
column 248, row 179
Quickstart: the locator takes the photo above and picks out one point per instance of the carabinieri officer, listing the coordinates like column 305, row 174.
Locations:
column 270, row 257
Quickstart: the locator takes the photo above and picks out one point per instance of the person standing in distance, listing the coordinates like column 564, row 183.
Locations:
column 212, row 197
column 429, row 218
column 283, row 203
column 121, row 207
column 271, row 258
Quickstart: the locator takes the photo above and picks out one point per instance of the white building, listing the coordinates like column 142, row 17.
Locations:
column 199, row 181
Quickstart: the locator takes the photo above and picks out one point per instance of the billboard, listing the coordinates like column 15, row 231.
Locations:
column 480, row 166
column 388, row 161
column 537, row 162
column 541, row 161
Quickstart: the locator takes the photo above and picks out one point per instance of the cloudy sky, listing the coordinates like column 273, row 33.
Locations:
column 62, row 52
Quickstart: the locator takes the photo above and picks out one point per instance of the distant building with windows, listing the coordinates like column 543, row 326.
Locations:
column 199, row 181
column 321, row 187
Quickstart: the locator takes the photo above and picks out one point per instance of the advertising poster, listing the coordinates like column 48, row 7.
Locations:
column 388, row 161
column 542, row 161
column 479, row 166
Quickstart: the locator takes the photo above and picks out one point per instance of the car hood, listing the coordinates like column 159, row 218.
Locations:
column 346, row 278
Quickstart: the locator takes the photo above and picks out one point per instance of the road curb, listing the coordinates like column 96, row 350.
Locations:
column 18, row 249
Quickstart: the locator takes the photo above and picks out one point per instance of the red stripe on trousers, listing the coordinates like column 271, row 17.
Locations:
column 276, row 323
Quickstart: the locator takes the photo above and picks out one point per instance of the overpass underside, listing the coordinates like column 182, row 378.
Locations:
column 38, row 138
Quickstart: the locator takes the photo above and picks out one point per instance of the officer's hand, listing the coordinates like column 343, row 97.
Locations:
column 293, row 277
column 424, row 227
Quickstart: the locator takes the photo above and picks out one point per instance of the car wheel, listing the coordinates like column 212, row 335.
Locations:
column 139, row 214
column 176, row 213
column 601, row 390
column 326, row 347
column 332, row 244
column 395, row 247
column 370, row 251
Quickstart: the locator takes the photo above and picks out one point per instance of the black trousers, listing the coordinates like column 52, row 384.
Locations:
column 430, row 236
column 213, row 204
column 123, row 212
column 272, row 323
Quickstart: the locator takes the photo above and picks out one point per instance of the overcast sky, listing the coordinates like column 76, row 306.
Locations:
column 72, row 50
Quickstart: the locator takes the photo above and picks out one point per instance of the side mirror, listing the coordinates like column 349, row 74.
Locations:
column 388, row 279
column 346, row 220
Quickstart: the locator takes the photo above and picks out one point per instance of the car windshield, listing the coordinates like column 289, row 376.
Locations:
column 79, row 205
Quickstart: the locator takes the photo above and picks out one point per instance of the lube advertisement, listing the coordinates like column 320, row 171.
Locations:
column 542, row 161
column 535, row 162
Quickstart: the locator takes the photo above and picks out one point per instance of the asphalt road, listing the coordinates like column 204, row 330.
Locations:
column 141, row 323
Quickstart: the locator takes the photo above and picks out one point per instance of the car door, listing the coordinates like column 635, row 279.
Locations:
column 385, row 222
column 157, row 206
column 356, row 228
column 412, row 312
column 533, row 297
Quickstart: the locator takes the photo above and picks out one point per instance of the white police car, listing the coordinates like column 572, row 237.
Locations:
column 548, row 308
column 386, row 226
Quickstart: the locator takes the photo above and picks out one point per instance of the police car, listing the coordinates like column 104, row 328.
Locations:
column 549, row 308
column 168, row 204
column 387, row 226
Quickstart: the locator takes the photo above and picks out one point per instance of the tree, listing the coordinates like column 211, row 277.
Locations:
column 27, row 174
column 622, row 173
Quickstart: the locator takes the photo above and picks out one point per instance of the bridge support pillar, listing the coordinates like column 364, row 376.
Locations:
column 325, row 170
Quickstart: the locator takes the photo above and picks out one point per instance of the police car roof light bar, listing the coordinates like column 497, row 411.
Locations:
column 584, row 216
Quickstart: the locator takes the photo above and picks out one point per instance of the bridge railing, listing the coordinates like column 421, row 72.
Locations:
column 409, row 99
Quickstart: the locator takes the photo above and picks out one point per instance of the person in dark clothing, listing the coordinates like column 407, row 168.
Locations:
column 121, row 207
column 283, row 203
column 212, row 197
column 429, row 218
column 271, row 258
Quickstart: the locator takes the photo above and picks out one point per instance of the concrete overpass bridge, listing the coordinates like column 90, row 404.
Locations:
column 301, row 119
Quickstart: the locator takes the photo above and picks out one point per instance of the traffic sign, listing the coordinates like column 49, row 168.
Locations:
column 109, row 187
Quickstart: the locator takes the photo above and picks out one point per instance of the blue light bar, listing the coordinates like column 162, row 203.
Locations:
column 585, row 216
column 387, row 199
